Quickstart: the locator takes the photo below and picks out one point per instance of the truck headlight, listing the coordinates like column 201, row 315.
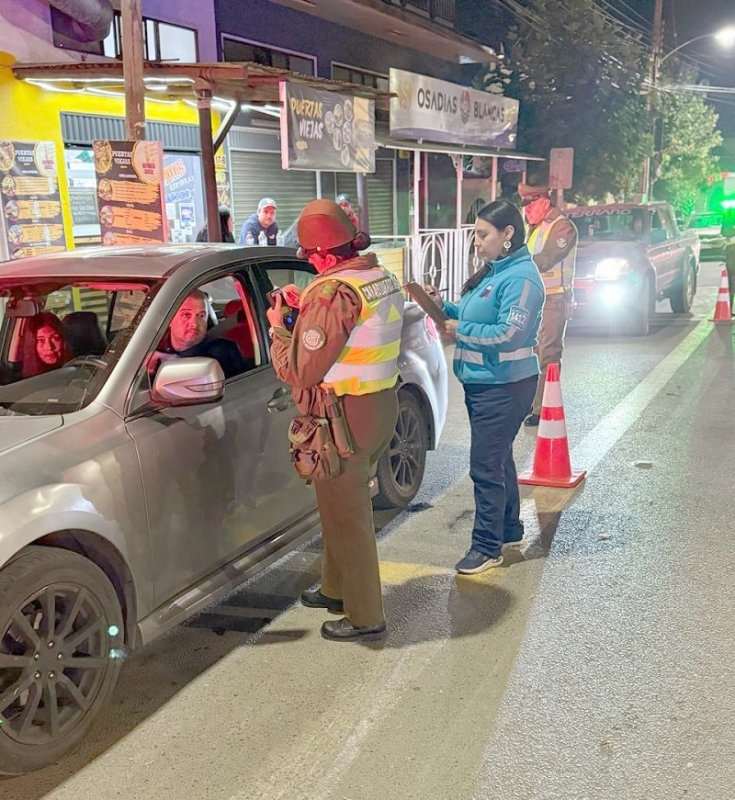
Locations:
column 609, row 269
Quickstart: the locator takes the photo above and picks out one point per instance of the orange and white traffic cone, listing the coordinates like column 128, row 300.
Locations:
column 723, row 312
column 551, row 466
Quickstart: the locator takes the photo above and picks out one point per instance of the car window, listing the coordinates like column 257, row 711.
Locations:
column 56, row 352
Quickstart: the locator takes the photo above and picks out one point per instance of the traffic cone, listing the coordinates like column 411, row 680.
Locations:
column 723, row 312
column 551, row 465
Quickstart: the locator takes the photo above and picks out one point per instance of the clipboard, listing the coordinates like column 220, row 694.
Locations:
column 429, row 306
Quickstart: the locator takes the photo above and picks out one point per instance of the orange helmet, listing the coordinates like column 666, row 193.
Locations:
column 323, row 225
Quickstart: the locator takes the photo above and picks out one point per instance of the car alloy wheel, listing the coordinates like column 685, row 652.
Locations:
column 60, row 646
column 401, row 467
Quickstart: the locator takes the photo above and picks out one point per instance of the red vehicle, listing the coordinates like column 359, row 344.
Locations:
column 631, row 255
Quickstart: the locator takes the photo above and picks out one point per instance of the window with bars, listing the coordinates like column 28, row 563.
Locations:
column 241, row 50
column 342, row 72
column 161, row 41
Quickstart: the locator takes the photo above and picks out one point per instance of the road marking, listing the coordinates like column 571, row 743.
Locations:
column 606, row 434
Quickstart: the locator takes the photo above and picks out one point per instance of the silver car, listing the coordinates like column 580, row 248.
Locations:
column 133, row 497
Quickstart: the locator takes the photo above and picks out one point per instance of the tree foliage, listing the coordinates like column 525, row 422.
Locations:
column 689, row 137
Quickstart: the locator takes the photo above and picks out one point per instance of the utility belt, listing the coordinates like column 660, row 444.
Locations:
column 320, row 444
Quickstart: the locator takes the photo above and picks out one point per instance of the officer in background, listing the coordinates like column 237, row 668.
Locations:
column 346, row 338
column 261, row 228
column 728, row 231
column 344, row 201
column 552, row 241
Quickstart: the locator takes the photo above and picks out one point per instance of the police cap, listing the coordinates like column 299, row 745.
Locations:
column 323, row 225
column 530, row 193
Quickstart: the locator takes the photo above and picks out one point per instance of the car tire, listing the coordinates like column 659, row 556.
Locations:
column 683, row 296
column 638, row 323
column 55, row 676
column 401, row 467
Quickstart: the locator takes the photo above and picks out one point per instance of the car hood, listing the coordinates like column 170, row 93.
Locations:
column 590, row 253
column 15, row 430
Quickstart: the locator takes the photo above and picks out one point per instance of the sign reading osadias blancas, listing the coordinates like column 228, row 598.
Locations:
column 326, row 130
column 427, row 108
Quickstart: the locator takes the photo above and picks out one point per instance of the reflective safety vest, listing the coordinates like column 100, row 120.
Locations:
column 560, row 277
column 368, row 361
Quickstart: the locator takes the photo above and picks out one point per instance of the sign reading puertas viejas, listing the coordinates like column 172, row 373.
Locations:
column 326, row 130
column 130, row 195
column 427, row 108
column 31, row 204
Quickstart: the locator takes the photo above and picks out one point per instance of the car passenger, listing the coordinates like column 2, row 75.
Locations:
column 186, row 337
column 43, row 347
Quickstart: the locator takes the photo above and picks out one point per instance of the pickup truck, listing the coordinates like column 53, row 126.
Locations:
column 629, row 256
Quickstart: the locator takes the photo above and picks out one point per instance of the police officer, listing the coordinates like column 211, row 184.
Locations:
column 552, row 241
column 347, row 339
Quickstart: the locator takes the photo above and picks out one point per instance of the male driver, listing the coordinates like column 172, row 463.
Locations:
column 552, row 241
column 186, row 337
column 261, row 228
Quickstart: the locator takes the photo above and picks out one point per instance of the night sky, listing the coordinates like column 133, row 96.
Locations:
column 683, row 20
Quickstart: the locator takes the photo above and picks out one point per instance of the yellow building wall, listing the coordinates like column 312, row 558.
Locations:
column 31, row 113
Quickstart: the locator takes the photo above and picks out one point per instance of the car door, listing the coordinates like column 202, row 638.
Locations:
column 217, row 477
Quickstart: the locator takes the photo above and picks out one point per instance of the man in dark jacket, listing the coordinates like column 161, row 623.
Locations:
column 261, row 228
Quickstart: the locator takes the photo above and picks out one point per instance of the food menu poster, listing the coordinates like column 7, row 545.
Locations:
column 32, row 221
column 326, row 130
column 130, row 194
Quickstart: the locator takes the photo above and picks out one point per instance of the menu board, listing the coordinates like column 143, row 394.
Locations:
column 326, row 130
column 31, row 204
column 130, row 191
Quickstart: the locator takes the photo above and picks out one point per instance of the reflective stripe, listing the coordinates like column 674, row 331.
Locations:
column 552, row 429
column 470, row 356
column 516, row 355
column 368, row 361
column 561, row 275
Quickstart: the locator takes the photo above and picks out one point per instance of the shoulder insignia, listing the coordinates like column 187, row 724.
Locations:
column 329, row 289
column 314, row 338
column 561, row 242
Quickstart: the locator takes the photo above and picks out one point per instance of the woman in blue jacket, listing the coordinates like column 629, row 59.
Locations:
column 495, row 328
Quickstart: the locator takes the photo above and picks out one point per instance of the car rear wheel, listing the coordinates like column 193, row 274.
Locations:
column 61, row 634
column 683, row 296
column 401, row 467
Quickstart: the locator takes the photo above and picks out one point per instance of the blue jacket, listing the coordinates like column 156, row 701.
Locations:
column 250, row 232
column 498, row 323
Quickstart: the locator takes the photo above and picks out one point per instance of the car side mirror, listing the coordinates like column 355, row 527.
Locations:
column 188, row 381
column 658, row 236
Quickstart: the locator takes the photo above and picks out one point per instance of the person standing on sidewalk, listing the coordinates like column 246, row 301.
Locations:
column 261, row 227
column 495, row 326
column 346, row 339
column 552, row 241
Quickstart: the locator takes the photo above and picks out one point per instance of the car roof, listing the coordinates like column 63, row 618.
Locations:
column 581, row 210
column 142, row 261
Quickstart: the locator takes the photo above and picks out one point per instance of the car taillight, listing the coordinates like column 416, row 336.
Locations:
column 431, row 327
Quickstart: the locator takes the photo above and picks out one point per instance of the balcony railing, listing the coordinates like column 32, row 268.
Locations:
column 439, row 10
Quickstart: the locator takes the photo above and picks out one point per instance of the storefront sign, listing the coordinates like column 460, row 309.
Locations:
column 427, row 108
column 326, row 130
column 182, row 178
column 31, row 204
column 130, row 191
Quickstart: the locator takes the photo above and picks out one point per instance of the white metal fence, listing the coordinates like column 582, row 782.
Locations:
column 440, row 257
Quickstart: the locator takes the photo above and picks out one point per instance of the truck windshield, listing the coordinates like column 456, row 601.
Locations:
column 610, row 224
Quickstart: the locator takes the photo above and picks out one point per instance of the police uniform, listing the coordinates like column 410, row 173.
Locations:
column 553, row 246
column 347, row 338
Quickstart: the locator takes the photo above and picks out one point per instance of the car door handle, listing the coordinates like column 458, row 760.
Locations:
column 281, row 400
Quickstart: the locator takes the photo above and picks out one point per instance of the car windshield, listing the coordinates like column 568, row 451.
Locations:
column 705, row 221
column 59, row 340
column 609, row 223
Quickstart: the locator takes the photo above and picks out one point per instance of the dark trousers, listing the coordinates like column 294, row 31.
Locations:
column 550, row 341
column 350, row 554
column 730, row 265
column 496, row 413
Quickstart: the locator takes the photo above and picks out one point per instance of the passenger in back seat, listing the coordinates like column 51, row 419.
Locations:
column 83, row 333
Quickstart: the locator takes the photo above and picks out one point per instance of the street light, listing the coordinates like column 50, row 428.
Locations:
column 725, row 37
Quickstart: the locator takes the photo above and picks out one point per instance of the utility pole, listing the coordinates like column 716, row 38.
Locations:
column 657, row 42
column 132, row 58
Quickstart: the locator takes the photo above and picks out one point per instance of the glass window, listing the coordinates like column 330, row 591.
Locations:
column 176, row 44
column 341, row 72
column 238, row 50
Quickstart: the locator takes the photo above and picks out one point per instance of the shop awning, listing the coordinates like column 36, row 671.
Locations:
column 241, row 82
column 451, row 149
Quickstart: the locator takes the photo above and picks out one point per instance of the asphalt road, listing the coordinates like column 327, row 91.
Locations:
column 597, row 664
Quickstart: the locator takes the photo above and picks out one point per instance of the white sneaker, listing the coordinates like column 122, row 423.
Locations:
column 515, row 545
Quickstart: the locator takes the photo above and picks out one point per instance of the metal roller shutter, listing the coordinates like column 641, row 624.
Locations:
column 380, row 195
column 257, row 175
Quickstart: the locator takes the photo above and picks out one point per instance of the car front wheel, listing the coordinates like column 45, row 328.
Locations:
column 61, row 638
column 683, row 296
column 401, row 467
